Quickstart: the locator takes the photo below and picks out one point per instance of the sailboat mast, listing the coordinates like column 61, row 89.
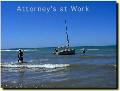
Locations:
column 66, row 34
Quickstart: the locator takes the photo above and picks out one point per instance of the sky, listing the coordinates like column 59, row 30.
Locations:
column 33, row 29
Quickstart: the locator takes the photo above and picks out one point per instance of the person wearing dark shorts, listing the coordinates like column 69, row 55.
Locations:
column 20, row 56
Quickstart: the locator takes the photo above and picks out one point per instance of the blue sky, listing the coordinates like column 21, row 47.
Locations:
column 97, row 27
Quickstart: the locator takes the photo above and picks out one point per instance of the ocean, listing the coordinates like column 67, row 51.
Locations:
column 96, row 69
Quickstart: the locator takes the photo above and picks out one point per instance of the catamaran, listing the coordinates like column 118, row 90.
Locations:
column 66, row 50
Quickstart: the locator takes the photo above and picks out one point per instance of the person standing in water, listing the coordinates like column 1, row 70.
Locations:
column 20, row 56
column 84, row 51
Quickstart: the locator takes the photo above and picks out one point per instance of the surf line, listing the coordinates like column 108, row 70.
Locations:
column 36, row 66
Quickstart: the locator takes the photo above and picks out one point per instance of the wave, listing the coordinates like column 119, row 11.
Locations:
column 56, row 67
column 35, row 66
column 97, row 56
column 92, row 49
column 9, row 50
column 92, row 67
column 17, row 50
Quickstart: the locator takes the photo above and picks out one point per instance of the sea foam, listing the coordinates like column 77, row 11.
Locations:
column 35, row 66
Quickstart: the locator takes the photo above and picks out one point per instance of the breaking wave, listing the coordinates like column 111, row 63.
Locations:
column 92, row 49
column 17, row 50
column 35, row 66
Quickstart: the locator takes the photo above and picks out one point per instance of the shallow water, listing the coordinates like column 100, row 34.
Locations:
column 96, row 69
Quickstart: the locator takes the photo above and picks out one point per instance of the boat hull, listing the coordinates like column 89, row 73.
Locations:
column 65, row 52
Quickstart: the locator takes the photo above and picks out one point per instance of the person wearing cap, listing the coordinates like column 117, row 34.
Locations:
column 20, row 56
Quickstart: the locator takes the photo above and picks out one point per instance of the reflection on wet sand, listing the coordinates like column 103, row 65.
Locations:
column 21, row 72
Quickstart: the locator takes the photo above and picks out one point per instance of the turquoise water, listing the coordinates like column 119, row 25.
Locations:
column 95, row 69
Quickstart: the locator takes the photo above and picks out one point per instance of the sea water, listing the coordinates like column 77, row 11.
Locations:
column 95, row 69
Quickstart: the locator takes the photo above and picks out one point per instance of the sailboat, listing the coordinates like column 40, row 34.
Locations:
column 66, row 50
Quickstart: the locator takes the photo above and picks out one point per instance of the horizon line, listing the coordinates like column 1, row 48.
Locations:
column 57, row 46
